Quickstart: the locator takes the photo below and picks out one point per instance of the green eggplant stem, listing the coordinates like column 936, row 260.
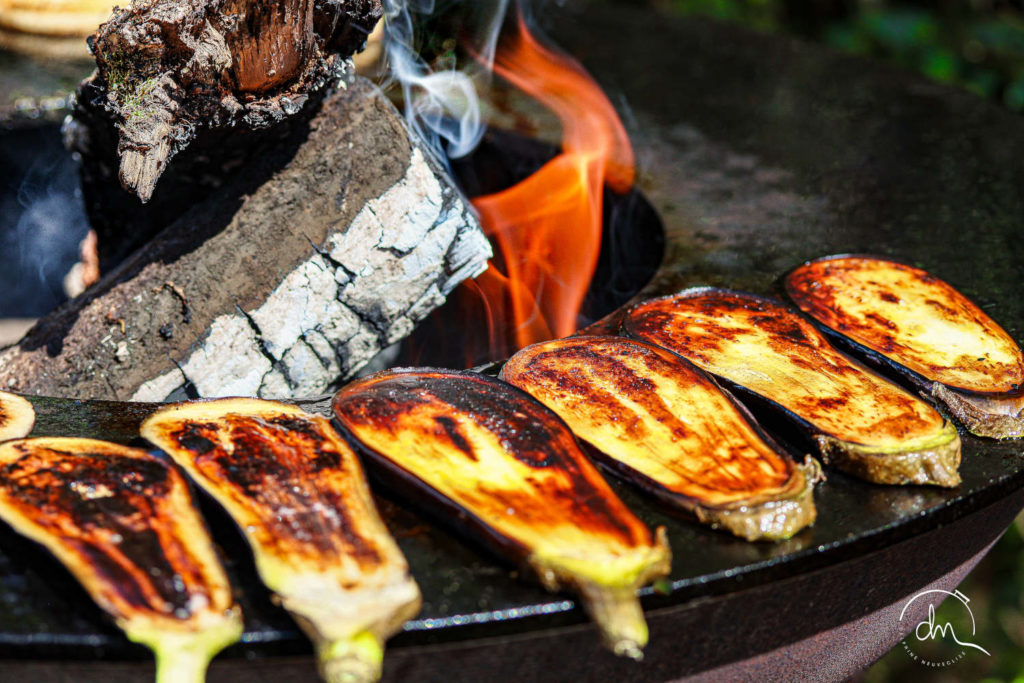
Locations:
column 184, row 657
column 351, row 660
column 618, row 615
column 182, row 665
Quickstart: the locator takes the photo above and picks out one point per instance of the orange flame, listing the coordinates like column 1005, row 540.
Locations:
column 547, row 228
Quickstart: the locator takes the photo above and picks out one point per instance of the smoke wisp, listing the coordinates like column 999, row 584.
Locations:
column 443, row 106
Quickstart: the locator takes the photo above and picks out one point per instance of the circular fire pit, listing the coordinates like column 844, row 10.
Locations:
column 758, row 153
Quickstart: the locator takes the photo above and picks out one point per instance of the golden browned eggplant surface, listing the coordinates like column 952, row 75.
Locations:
column 674, row 429
column 912, row 318
column 770, row 350
column 17, row 416
column 495, row 454
column 298, row 493
column 664, row 417
column 123, row 523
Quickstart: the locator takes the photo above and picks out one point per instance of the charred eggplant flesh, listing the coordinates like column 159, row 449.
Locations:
column 660, row 422
column 487, row 455
column 907, row 320
column 123, row 523
column 298, row 493
column 862, row 423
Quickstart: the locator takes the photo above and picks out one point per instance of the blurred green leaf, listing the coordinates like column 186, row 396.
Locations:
column 978, row 45
column 901, row 29
column 940, row 64
column 1013, row 96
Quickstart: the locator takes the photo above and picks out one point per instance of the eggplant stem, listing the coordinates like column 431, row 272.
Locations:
column 618, row 615
column 181, row 665
column 356, row 659
column 182, row 657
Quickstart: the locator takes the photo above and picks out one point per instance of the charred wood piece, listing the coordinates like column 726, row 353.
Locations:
column 168, row 69
column 290, row 277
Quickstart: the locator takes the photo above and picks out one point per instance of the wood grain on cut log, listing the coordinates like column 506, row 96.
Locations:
column 288, row 278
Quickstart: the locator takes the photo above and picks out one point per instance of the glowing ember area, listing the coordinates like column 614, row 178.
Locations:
column 547, row 228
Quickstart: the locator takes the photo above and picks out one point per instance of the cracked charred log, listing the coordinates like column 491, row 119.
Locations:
column 295, row 273
column 205, row 84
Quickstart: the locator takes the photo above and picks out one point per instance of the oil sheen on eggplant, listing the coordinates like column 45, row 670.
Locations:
column 124, row 524
column 924, row 329
column 862, row 423
column 488, row 455
column 298, row 493
column 662, row 423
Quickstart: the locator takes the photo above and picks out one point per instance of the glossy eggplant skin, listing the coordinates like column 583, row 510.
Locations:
column 123, row 522
column 862, row 423
column 298, row 493
column 905, row 320
column 17, row 416
column 662, row 423
column 491, row 457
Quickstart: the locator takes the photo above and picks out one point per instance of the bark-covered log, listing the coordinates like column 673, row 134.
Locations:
column 332, row 244
column 169, row 69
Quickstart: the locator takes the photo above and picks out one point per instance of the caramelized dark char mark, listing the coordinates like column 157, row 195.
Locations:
column 831, row 403
column 946, row 310
column 110, row 510
column 450, row 429
column 192, row 436
column 283, row 470
column 526, row 430
column 883, row 322
column 711, row 320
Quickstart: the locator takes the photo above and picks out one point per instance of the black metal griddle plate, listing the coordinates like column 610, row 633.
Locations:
column 468, row 594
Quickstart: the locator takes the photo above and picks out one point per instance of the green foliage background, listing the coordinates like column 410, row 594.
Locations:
column 973, row 44
column 976, row 44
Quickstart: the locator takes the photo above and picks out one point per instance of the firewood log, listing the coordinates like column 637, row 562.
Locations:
column 185, row 89
column 328, row 245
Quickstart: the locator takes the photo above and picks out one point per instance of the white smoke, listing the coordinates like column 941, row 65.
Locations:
column 443, row 107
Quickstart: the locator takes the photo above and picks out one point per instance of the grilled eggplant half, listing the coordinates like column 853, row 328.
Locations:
column 862, row 423
column 123, row 523
column 298, row 493
column 488, row 455
column 17, row 416
column 660, row 422
column 902, row 318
